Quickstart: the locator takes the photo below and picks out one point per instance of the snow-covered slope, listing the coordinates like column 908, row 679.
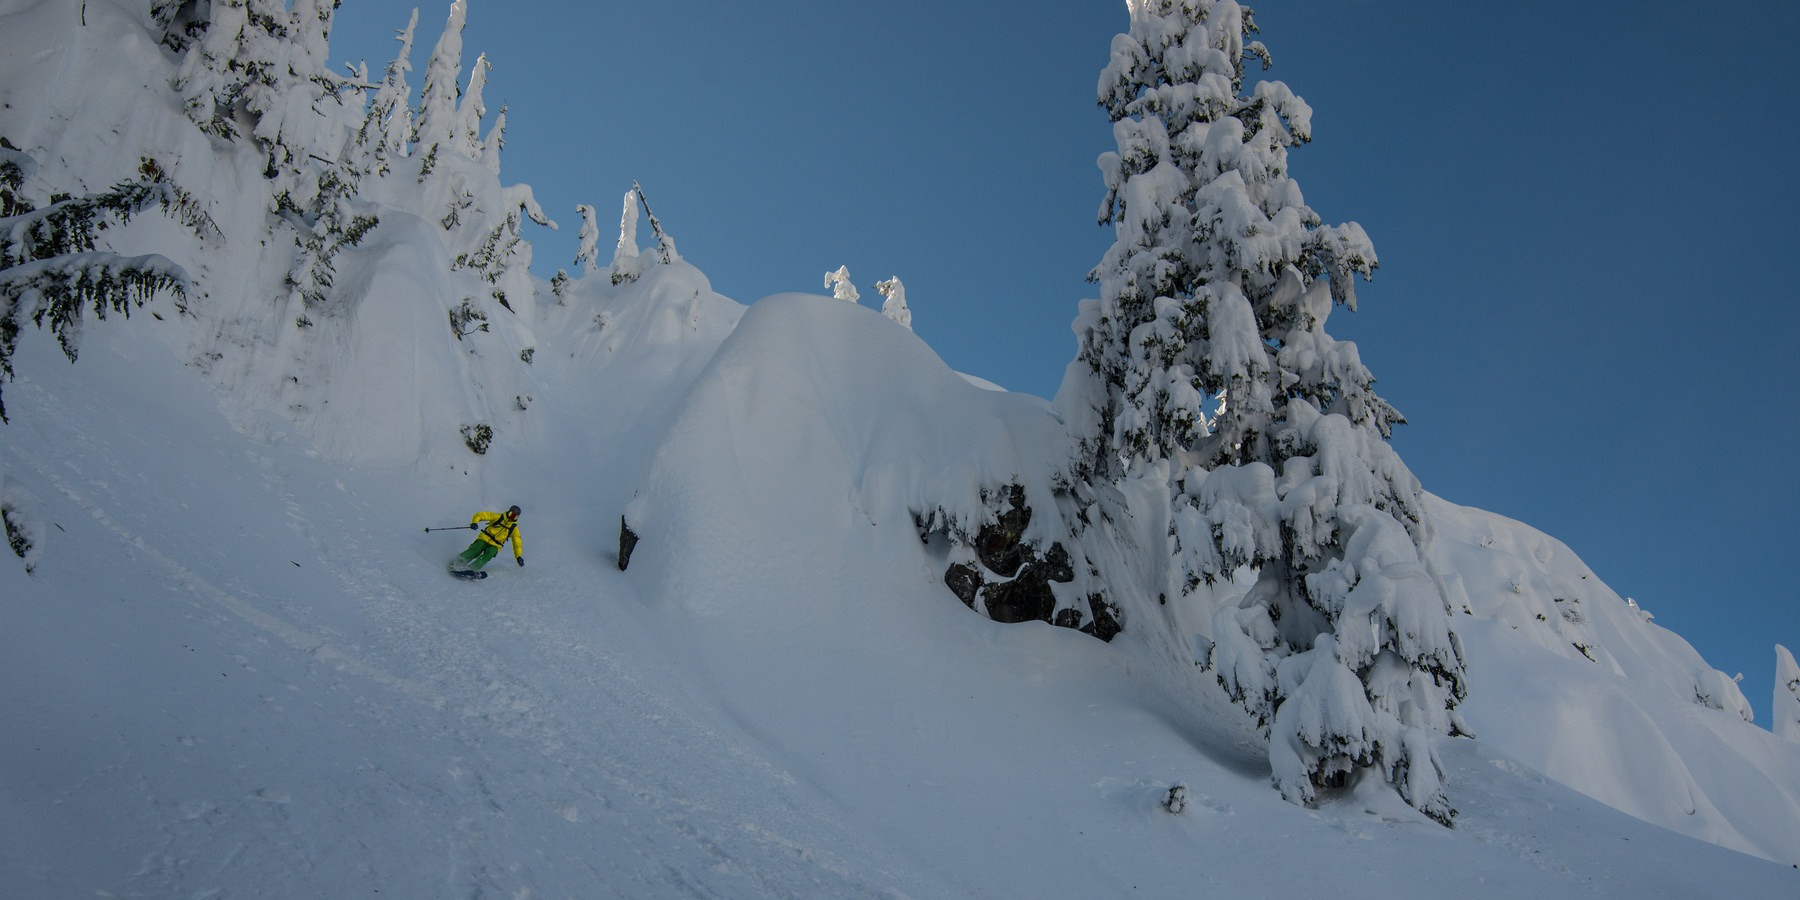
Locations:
column 1578, row 683
column 235, row 665
column 240, row 667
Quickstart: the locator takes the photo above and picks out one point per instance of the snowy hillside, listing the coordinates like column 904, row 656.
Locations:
column 240, row 667
column 236, row 665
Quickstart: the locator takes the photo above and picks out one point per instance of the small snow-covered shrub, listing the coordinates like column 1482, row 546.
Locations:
column 21, row 533
column 463, row 317
column 478, row 436
column 1175, row 801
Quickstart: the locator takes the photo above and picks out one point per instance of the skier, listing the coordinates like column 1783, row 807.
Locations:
column 504, row 527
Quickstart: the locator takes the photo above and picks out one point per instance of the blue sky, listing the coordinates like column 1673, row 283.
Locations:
column 1581, row 211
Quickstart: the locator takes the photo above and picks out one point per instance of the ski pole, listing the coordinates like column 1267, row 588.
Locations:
column 457, row 528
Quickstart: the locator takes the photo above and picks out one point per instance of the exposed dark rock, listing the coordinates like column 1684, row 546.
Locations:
column 1027, row 598
column 999, row 545
column 1013, row 581
column 16, row 535
column 964, row 581
column 627, row 542
column 1056, row 565
column 1105, row 625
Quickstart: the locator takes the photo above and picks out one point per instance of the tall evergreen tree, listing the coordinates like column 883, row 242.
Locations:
column 626, row 266
column 433, row 126
column 387, row 125
column 466, row 132
column 259, row 67
column 665, row 243
column 235, row 48
column 494, row 143
column 587, row 243
column 1206, row 353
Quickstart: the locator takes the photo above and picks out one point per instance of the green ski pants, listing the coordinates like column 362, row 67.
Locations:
column 479, row 554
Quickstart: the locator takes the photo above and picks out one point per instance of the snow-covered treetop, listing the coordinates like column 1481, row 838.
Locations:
column 893, row 304
column 435, row 124
column 842, row 287
column 1787, row 695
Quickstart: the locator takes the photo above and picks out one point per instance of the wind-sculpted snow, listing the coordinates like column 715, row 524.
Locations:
column 1579, row 684
column 815, row 426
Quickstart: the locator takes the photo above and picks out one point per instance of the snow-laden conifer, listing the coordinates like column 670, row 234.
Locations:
column 494, row 143
column 587, row 242
column 1787, row 695
column 330, row 221
column 311, row 23
column 627, row 264
column 665, row 244
column 177, row 23
column 842, row 288
column 236, row 46
column 1206, row 353
column 53, row 266
column 387, row 123
column 296, row 102
column 893, row 304
column 434, row 125
column 466, row 132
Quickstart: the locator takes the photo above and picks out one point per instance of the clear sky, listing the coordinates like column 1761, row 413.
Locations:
column 1582, row 212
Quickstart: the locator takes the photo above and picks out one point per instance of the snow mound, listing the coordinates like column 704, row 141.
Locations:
column 816, row 421
column 1581, row 685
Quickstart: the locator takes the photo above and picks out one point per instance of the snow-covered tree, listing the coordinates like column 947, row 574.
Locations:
column 626, row 265
column 502, row 248
column 842, row 288
column 239, row 53
column 587, row 243
column 257, row 67
column 311, row 24
column 434, row 125
column 53, row 268
column 466, row 132
column 1787, row 695
column 627, row 248
column 1206, row 352
column 387, row 125
column 495, row 142
column 329, row 222
column 893, row 304
column 178, row 23
column 665, row 244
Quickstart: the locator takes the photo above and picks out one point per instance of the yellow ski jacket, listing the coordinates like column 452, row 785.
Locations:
column 498, row 533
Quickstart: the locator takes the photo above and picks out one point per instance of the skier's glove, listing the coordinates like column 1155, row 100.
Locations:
column 472, row 527
column 521, row 561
